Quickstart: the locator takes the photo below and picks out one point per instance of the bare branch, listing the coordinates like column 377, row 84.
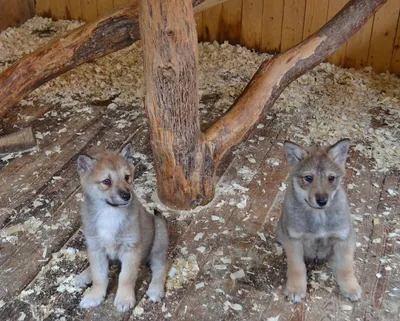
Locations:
column 110, row 33
column 277, row 73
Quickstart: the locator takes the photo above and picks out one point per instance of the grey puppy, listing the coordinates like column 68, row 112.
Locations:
column 116, row 226
column 315, row 224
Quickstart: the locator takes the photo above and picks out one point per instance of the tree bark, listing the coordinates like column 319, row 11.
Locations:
column 184, row 173
column 108, row 34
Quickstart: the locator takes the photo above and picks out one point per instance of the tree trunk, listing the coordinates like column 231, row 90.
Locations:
column 108, row 34
column 185, row 158
column 185, row 177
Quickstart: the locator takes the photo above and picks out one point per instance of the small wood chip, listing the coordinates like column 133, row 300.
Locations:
column 238, row 275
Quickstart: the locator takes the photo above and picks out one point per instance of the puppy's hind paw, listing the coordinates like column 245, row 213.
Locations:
column 155, row 293
column 295, row 294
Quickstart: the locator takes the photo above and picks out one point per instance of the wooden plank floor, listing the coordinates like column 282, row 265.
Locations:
column 42, row 246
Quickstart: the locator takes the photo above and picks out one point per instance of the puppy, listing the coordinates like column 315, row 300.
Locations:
column 315, row 224
column 116, row 226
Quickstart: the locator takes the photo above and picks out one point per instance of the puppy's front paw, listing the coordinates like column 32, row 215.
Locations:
column 155, row 292
column 351, row 290
column 92, row 299
column 124, row 300
column 82, row 280
column 295, row 292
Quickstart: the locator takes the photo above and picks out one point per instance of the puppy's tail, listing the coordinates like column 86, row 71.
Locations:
column 158, row 214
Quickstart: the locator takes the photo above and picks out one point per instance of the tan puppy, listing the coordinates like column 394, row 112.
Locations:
column 315, row 224
column 116, row 226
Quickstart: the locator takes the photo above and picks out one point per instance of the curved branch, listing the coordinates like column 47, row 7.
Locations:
column 110, row 33
column 277, row 73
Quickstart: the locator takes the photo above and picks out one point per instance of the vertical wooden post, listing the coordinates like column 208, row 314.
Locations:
column 184, row 177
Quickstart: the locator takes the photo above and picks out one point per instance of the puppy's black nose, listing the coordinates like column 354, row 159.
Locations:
column 126, row 196
column 322, row 201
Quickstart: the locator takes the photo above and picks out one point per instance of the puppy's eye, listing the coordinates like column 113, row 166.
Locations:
column 127, row 177
column 107, row 182
column 331, row 179
column 308, row 178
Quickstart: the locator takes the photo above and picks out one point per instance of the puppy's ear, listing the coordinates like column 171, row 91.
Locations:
column 127, row 153
column 85, row 164
column 338, row 152
column 294, row 153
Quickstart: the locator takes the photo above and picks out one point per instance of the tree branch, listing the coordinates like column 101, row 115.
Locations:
column 110, row 33
column 276, row 74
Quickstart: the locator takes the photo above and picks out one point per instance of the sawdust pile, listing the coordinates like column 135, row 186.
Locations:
column 324, row 105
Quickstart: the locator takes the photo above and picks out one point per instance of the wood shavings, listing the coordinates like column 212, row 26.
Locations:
column 237, row 275
column 262, row 236
column 246, row 173
column 233, row 306
column 182, row 271
column 198, row 236
column 346, row 307
column 138, row 311
column 243, row 202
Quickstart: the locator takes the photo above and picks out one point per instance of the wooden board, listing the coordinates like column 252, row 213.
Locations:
column 395, row 61
column 211, row 24
column 14, row 13
column 58, row 9
column 43, row 8
column 271, row 33
column 252, row 11
column 120, row 3
column 199, row 25
column 104, row 6
column 293, row 23
column 74, row 9
column 383, row 36
column 357, row 48
column 231, row 21
column 89, row 10
column 334, row 7
column 315, row 16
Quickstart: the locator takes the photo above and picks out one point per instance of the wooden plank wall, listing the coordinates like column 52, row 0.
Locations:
column 15, row 12
column 271, row 26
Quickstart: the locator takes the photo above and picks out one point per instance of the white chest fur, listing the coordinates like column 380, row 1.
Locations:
column 108, row 224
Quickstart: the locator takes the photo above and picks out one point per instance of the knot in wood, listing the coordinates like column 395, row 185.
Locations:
column 170, row 32
column 167, row 72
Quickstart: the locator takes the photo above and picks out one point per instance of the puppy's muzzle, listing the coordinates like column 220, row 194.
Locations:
column 321, row 200
column 126, row 196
